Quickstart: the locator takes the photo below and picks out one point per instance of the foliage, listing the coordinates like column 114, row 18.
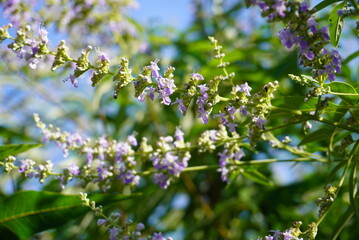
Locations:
column 249, row 126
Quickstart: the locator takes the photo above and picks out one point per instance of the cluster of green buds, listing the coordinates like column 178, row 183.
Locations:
column 326, row 201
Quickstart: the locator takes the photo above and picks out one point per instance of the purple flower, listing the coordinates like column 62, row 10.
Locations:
column 325, row 33
column 312, row 24
column 132, row 139
column 304, row 50
column 179, row 134
column 224, row 174
column 232, row 127
column 259, row 122
column 43, row 34
column 181, row 106
column 152, row 92
column 154, row 67
column 74, row 169
column 74, row 80
column 280, row 7
column 223, row 157
column 287, row 38
column 158, row 236
column 231, row 110
column 197, row 76
column 89, row 154
column 26, row 165
column 222, row 117
column 114, row 231
column 103, row 172
column 161, row 180
column 243, row 88
column 102, row 57
column 304, row 6
column 101, row 222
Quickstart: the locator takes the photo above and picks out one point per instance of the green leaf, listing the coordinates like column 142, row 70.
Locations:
column 7, row 150
column 345, row 91
column 353, row 188
column 342, row 221
column 256, row 176
column 295, row 103
column 351, row 57
column 324, row 4
column 336, row 24
column 28, row 212
column 320, row 134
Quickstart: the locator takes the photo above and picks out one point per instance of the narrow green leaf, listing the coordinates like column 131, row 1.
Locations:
column 341, row 89
column 342, row 221
column 353, row 188
column 336, row 24
column 324, row 4
column 351, row 57
column 320, row 134
column 28, row 212
column 7, row 150
column 294, row 103
column 256, row 176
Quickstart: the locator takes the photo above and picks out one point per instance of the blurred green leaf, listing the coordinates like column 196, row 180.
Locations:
column 320, row 134
column 28, row 212
column 325, row 4
column 345, row 91
column 336, row 24
column 342, row 221
column 7, row 150
column 256, row 176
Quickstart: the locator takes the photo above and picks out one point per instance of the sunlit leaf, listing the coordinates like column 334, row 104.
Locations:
column 7, row 150
column 28, row 212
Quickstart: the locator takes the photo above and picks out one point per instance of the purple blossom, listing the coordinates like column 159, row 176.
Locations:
column 197, row 75
column 121, row 149
column 161, row 180
column 304, row 6
column 101, row 222
column 103, row 172
column 223, row 157
column 181, row 106
column 179, row 134
column 304, row 50
column 279, row 6
column 152, row 92
column 259, row 122
column 154, row 67
column 243, row 88
column 232, row 127
column 287, row 38
column 325, row 33
column 312, row 24
column 165, row 88
column 201, row 101
column 114, row 231
column 132, row 139
column 158, row 236
column 222, row 117
column 74, row 80
column 26, row 165
column 43, row 34
column 74, row 169
column 231, row 110
column 102, row 57
column 128, row 176
column 224, row 174
column 244, row 110
column 89, row 154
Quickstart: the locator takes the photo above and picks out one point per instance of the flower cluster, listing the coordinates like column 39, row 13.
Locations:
column 170, row 158
column 117, row 231
column 294, row 233
column 107, row 159
column 30, row 49
column 309, row 39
